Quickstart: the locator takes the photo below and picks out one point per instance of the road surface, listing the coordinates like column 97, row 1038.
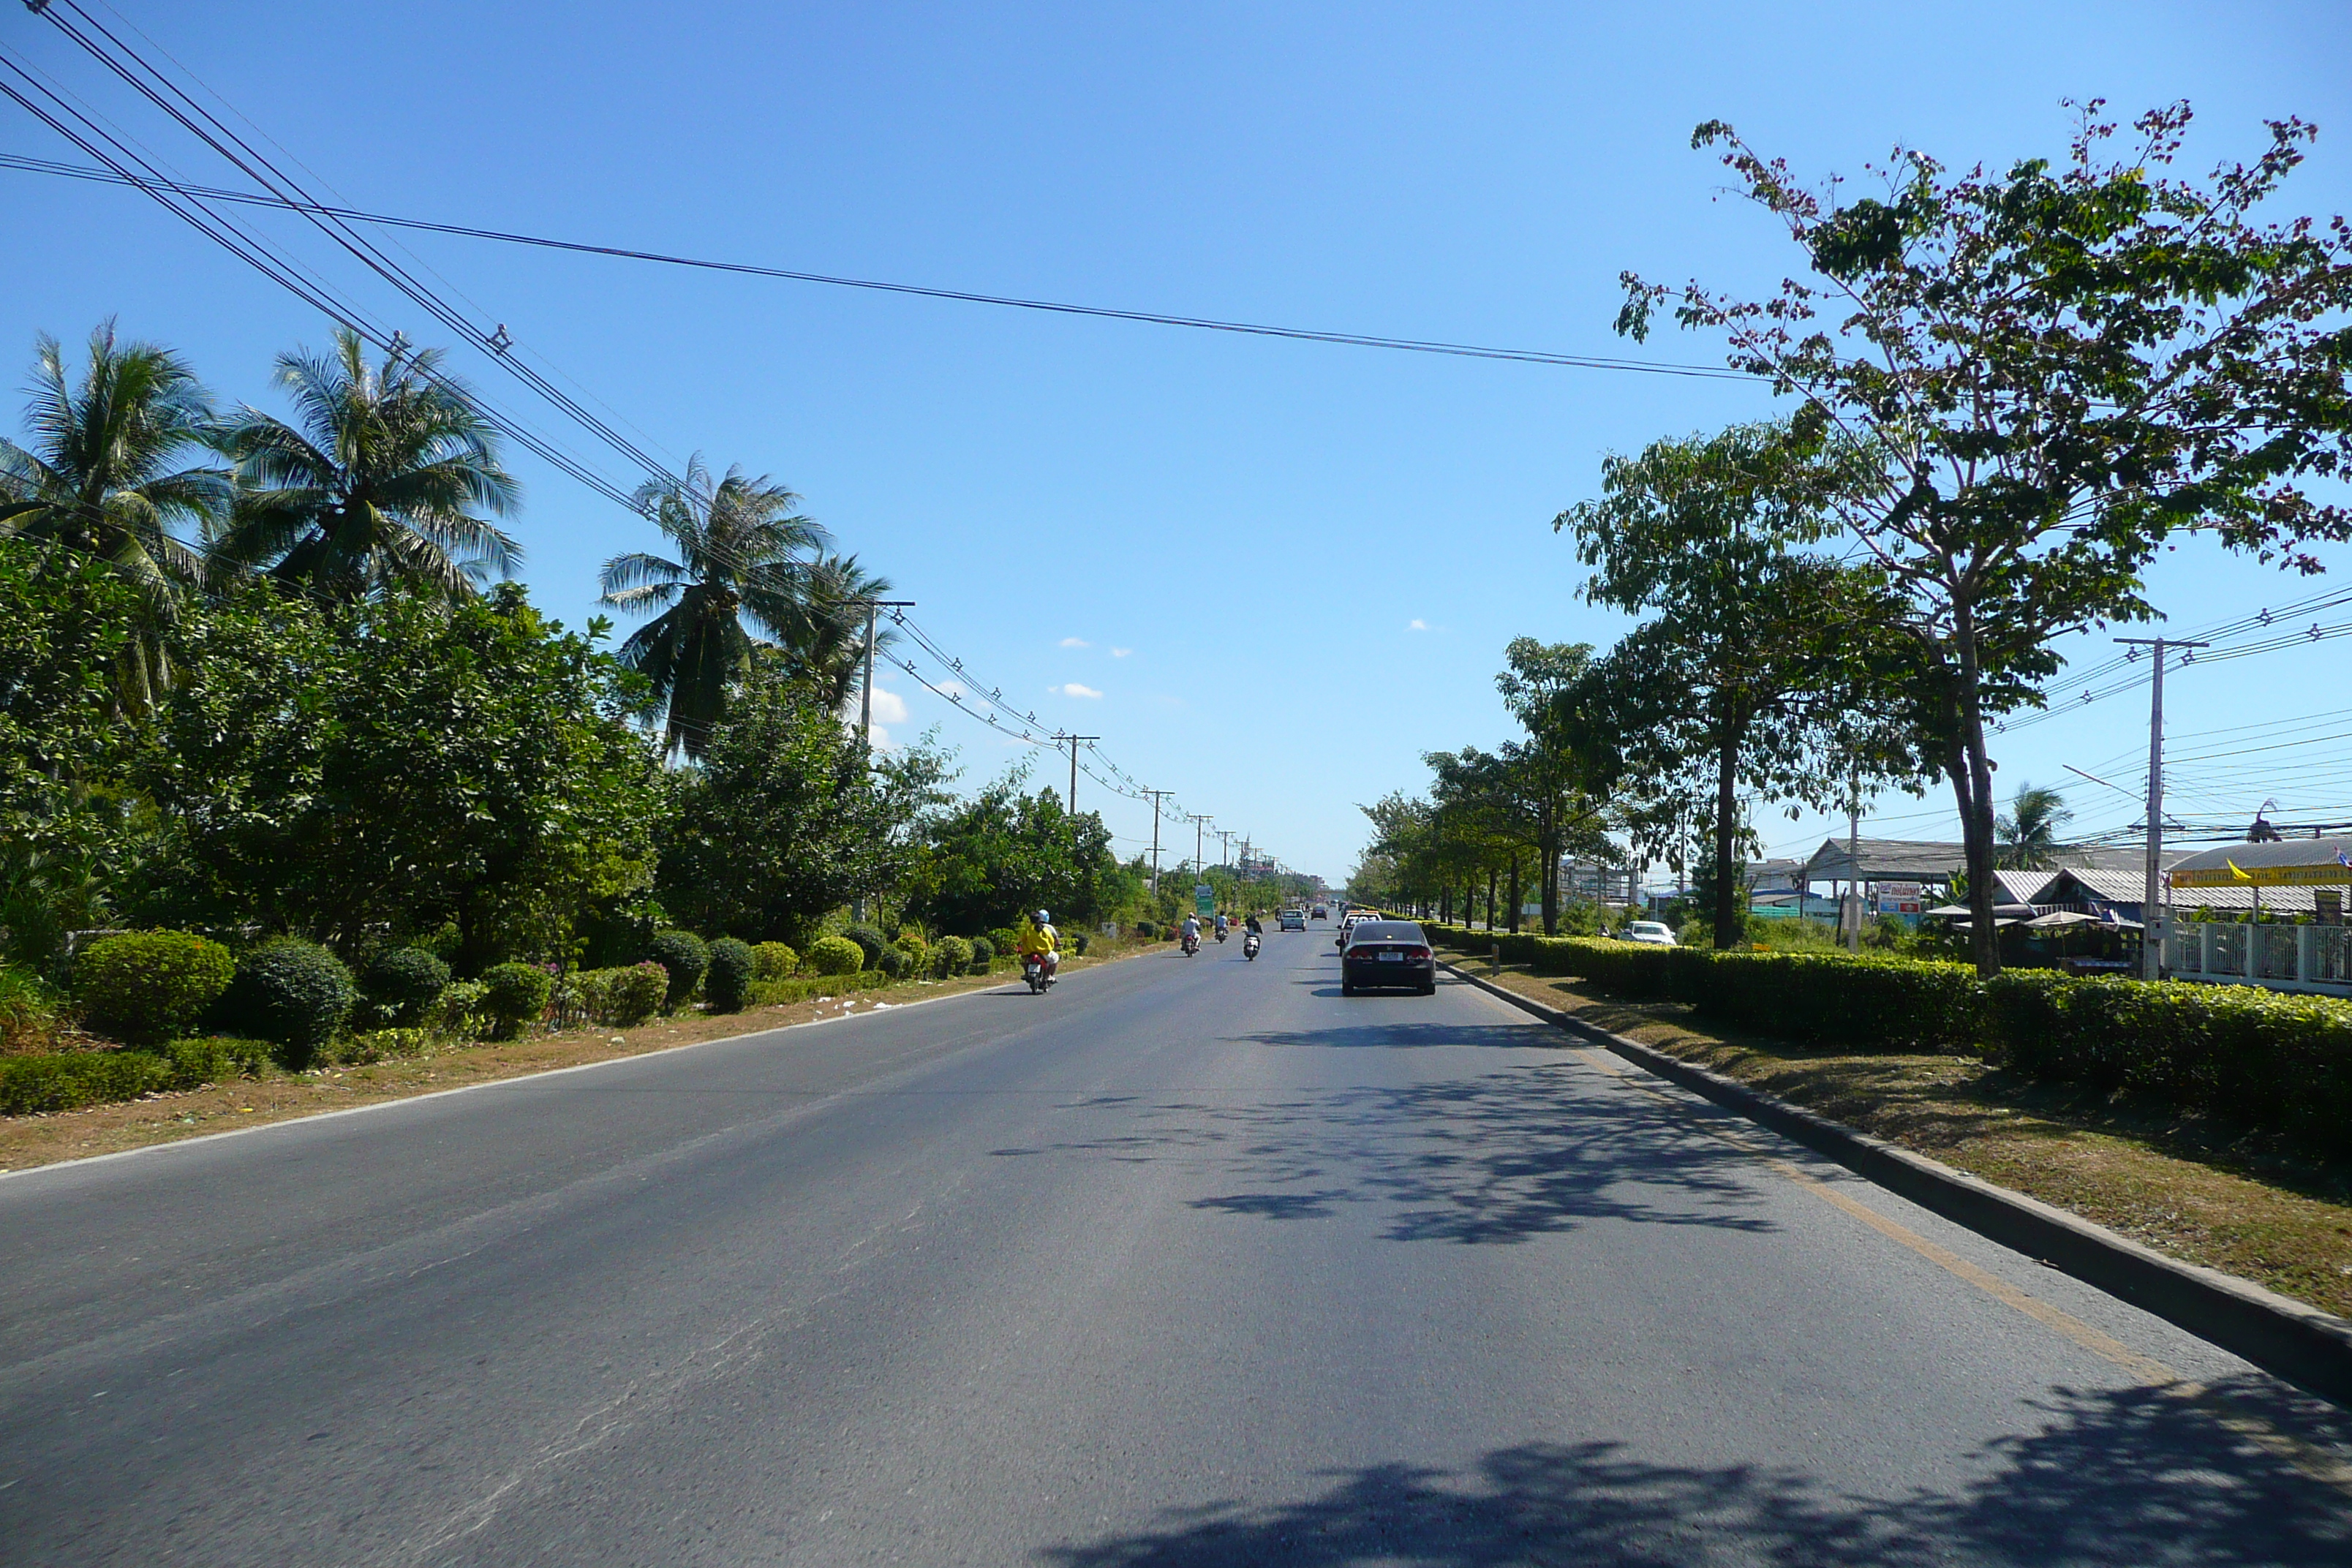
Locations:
column 1190, row 1262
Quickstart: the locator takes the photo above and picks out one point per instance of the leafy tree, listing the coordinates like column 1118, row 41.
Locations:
column 378, row 483
column 69, row 824
column 1747, row 677
column 826, row 644
column 103, row 478
column 741, row 549
column 2027, row 834
column 390, row 766
column 1004, row 852
column 785, row 820
column 1553, row 781
column 2056, row 367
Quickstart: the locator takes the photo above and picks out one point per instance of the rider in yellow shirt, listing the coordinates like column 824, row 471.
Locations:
column 1037, row 935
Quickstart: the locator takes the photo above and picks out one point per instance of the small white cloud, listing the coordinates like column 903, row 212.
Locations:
column 890, row 708
column 1416, row 625
column 1075, row 642
column 949, row 689
column 1075, row 689
column 1120, row 652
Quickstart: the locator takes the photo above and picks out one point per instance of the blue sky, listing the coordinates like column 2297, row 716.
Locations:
column 1312, row 555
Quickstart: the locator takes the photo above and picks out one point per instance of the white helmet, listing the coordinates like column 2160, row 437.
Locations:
column 1043, row 919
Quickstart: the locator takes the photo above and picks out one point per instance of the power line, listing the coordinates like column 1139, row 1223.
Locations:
column 925, row 291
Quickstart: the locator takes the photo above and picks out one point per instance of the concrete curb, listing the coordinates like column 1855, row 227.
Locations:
column 2300, row 1343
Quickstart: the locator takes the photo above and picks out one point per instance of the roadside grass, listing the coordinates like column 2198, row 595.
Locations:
column 2201, row 1191
column 27, row 1141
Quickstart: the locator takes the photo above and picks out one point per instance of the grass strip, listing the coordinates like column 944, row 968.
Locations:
column 2194, row 1188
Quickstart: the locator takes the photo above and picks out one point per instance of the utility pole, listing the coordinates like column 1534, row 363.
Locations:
column 1853, row 871
column 1074, row 741
column 1157, row 796
column 1227, row 835
column 2151, row 934
column 865, row 705
column 1200, row 863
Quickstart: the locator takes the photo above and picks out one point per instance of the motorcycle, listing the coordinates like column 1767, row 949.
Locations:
column 1033, row 970
column 1192, row 945
column 1221, row 936
column 1249, row 947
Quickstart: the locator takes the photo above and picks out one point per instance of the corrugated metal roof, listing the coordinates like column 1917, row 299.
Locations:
column 1884, row 860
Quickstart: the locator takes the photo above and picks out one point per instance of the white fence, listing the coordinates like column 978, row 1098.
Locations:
column 2280, row 957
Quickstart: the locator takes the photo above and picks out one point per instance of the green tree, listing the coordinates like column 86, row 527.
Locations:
column 742, row 550
column 103, row 477
column 69, row 823
column 1004, row 851
column 826, row 644
column 384, row 768
column 785, row 820
column 1746, row 677
column 2027, row 833
column 1554, row 783
column 2056, row 368
column 380, row 481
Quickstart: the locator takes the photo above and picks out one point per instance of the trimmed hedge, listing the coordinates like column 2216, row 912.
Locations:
column 293, row 991
column 144, row 987
column 984, row 953
column 836, row 955
column 69, row 1080
column 2262, row 1059
column 773, row 961
column 515, row 995
column 871, row 944
column 683, row 955
column 948, row 957
column 801, row 988
column 732, row 968
column 401, row 986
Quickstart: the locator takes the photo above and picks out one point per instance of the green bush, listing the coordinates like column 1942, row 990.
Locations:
column 890, row 964
column 773, row 961
column 460, row 1012
column 401, row 985
column 635, row 993
column 948, row 957
column 380, row 1046
column 515, row 995
column 919, row 951
column 29, row 1011
column 802, row 987
column 733, row 969
column 871, row 944
column 836, row 955
column 984, row 953
column 144, row 987
column 685, row 957
column 65, row 1081
column 1146, row 930
column 1083, row 940
column 293, row 993
column 1002, row 943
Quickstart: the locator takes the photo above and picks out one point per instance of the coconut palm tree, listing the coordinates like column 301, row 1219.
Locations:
column 102, row 476
column 825, row 647
column 380, row 480
column 2026, row 836
column 742, row 555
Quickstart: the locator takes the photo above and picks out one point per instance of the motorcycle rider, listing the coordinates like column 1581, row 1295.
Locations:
column 1192, row 933
column 1253, row 927
column 1221, row 925
column 1038, row 936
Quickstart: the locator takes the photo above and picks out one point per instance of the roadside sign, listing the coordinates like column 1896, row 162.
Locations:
column 1205, row 900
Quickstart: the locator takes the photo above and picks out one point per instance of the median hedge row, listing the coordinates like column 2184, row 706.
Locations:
column 71, row 1080
column 2260, row 1057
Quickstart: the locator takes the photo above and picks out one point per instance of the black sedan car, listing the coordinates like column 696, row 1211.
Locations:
column 1379, row 954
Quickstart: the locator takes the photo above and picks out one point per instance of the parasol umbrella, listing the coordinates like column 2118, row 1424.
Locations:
column 2058, row 917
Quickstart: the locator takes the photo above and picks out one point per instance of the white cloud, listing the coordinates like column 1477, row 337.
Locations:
column 1075, row 642
column 949, row 689
column 1416, row 625
column 890, row 708
column 1075, row 689
column 1120, row 652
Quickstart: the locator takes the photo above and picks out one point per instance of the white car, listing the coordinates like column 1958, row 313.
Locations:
column 1653, row 932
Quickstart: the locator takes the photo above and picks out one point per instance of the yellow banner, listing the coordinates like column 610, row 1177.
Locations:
column 2327, row 876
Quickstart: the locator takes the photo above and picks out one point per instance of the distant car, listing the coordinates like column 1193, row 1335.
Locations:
column 1293, row 920
column 1383, row 953
column 1321, row 913
column 1653, row 933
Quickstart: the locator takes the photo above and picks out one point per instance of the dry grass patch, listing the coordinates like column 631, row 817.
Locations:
column 29, row 1141
column 2202, row 1191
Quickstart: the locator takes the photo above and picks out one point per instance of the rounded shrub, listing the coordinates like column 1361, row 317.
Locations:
column 1084, row 941
column 459, row 1011
column 635, row 993
column 910, row 942
column 773, row 961
column 401, row 986
column 836, row 955
column 145, row 987
column 728, row 982
column 685, row 956
column 871, row 944
column 292, row 992
column 983, row 952
column 515, row 995
column 948, row 957
column 1003, row 942
column 892, row 962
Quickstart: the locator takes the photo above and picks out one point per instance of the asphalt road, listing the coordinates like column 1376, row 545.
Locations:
column 1186, row 1263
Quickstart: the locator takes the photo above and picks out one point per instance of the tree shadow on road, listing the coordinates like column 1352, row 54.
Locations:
column 2138, row 1477
column 1500, row 1158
